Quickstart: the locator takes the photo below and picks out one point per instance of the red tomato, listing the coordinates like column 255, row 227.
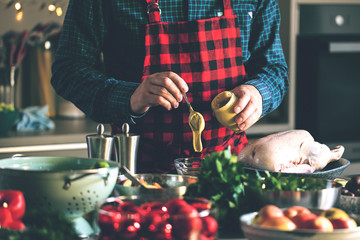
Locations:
column 129, row 229
column 108, row 219
column 184, row 228
column 5, row 216
column 14, row 201
column 209, row 226
column 148, row 207
column 163, row 232
column 175, row 205
column 185, row 222
column 15, row 225
column 201, row 206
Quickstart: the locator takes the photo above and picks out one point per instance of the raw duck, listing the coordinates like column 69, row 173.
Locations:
column 293, row 151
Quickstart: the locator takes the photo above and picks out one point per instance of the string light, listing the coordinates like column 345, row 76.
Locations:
column 59, row 11
column 17, row 6
column 51, row 7
column 47, row 45
column 19, row 16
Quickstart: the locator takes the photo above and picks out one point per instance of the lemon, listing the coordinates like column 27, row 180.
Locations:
column 6, row 107
column 100, row 164
column 233, row 158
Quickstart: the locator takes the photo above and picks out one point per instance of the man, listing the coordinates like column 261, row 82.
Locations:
column 154, row 51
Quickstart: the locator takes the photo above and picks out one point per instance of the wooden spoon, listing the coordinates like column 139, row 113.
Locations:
column 197, row 125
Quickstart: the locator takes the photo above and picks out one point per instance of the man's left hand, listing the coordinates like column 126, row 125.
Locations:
column 249, row 106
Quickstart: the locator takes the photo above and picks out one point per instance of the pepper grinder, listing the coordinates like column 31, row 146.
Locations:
column 100, row 145
column 127, row 145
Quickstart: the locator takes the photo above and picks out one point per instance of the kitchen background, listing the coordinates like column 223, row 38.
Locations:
column 319, row 98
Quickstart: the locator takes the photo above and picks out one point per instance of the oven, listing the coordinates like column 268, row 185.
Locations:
column 328, row 77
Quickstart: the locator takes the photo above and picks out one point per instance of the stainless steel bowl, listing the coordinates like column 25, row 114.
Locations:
column 172, row 185
column 188, row 166
column 323, row 198
column 350, row 204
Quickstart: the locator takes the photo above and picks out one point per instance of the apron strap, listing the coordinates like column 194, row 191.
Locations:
column 153, row 10
column 228, row 11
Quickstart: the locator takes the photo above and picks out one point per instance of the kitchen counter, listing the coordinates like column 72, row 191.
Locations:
column 68, row 138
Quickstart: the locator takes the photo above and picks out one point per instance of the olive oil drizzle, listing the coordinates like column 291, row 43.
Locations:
column 197, row 125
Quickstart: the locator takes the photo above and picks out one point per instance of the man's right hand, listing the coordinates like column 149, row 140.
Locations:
column 159, row 89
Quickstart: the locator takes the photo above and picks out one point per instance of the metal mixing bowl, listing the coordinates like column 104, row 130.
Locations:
column 349, row 204
column 323, row 198
column 188, row 166
column 172, row 185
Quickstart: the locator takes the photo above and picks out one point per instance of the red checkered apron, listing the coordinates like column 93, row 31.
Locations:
column 207, row 54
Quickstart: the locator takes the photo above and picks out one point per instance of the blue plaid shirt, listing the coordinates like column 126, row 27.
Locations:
column 100, row 55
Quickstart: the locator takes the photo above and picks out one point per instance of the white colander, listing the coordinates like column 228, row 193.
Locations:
column 61, row 184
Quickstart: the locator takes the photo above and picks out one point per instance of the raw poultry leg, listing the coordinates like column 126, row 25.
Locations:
column 289, row 151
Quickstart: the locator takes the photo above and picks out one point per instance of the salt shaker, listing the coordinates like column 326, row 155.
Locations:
column 100, row 145
column 127, row 145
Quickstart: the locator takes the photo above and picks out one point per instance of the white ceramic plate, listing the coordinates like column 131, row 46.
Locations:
column 253, row 232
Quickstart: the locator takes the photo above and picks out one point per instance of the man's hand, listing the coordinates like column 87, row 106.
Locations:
column 159, row 89
column 249, row 106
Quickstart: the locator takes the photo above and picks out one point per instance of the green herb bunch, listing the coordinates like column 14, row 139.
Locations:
column 277, row 182
column 224, row 181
